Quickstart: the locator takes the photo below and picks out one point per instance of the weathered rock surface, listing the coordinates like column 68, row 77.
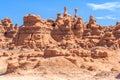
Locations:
column 97, row 53
column 39, row 33
column 64, row 46
column 34, row 33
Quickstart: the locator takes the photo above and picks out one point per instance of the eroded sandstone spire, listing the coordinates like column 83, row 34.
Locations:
column 76, row 12
column 65, row 30
column 65, row 11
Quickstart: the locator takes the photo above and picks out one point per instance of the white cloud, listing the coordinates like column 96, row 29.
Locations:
column 106, row 17
column 105, row 6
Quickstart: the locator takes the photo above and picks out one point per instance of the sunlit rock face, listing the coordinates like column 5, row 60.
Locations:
column 65, row 46
column 117, row 30
column 34, row 32
column 39, row 33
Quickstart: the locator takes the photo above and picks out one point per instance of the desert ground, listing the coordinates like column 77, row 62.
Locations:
column 63, row 49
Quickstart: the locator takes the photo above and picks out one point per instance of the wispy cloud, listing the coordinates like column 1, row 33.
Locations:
column 106, row 17
column 105, row 6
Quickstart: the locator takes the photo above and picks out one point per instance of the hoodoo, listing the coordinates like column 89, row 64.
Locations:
column 67, row 47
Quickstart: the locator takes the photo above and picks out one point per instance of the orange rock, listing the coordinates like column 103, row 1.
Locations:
column 13, row 64
column 6, row 54
column 53, row 52
column 83, row 66
column 116, row 31
column 91, row 68
column 80, row 52
column 6, row 22
column 11, row 46
column 99, row 54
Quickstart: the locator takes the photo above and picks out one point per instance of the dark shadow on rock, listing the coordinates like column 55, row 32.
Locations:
column 118, row 76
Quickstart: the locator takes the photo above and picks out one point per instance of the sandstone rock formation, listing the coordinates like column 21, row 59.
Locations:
column 34, row 33
column 66, row 32
column 99, row 53
column 116, row 31
column 63, row 44
column 108, row 39
column 7, row 32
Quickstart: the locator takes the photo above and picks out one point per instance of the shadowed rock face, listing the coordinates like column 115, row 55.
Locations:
column 38, row 33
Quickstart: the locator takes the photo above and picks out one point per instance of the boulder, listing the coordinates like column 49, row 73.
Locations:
column 53, row 52
column 99, row 53
column 91, row 68
column 13, row 64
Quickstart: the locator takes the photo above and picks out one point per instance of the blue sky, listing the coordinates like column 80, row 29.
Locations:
column 106, row 12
